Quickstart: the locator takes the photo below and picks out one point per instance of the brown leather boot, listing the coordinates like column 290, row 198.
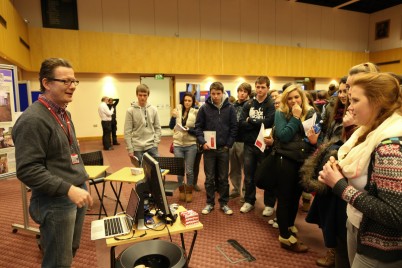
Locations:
column 182, row 195
column 328, row 260
column 293, row 244
column 189, row 193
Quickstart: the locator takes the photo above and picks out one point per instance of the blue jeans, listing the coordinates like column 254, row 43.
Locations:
column 60, row 228
column 189, row 153
column 152, row 152
column 217, row 160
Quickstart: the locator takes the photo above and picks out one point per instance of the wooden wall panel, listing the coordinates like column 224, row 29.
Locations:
column 387, row 56
column 11, row 47
column 189, row 18
column 96, row 52
column 35, row 42
column 142, row 21
column 294, row 61
column 249, row 21
column 255, row 59
column 210, row 57
column 61, row 44
column 116, row 17
column 185, row 56
column 230, row 20
column 276, row 60
column 267, row 22
column 124, row 53
column 210, row 20
column 313, row 26
column 90, row 16
column 166, row 23
column 233, row 60
column 156, row 55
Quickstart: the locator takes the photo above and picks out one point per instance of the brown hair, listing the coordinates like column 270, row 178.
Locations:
column 47, row 69
column 142, row 88
column 383, row 92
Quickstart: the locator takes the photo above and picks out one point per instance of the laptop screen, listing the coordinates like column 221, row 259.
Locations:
column 133, row 203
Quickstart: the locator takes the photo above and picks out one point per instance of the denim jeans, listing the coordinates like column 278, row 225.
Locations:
column 217, row 161
column 189, row 153
column 152, row 152
column 252, row 157
column 60, row 228
column 236, row 166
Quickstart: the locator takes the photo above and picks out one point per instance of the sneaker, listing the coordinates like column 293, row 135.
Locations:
column 208, row 208
column 268, row 211
column 227, row 210
column 274, row 223
column 246, row 207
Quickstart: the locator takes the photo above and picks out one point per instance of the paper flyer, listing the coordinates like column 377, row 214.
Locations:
column 309, row 123
column 259, row 142
column 210, row 138
column 179, row 127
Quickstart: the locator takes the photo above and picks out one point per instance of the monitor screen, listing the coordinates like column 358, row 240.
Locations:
column 153, row 178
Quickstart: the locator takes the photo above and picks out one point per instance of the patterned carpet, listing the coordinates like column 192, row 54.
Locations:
column 251, row 230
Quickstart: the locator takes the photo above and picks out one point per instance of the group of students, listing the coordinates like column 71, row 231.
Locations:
column 357, row 152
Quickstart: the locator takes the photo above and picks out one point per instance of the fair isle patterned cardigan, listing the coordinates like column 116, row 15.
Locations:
column 380, row 232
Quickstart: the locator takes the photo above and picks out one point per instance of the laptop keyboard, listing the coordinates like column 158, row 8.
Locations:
column 113, row 226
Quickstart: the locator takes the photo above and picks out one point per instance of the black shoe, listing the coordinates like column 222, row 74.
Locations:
column 109, row 149
column 116, row 143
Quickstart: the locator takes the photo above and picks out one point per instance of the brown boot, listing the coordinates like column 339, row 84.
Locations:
column 328, row 260
column 293, row 244
column 189, row 193
column 182, row 195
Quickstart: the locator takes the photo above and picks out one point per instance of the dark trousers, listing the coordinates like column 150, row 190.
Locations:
column 196, row 169
column 114, row 130
column 288, row 192
column 107, row 131
column 217, row 161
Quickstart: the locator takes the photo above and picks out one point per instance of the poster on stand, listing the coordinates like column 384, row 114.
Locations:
column 8, row 85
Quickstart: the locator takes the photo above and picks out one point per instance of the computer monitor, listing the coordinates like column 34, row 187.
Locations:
column 153, row 183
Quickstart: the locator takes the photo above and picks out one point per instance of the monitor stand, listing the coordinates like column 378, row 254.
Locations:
column 141, row 188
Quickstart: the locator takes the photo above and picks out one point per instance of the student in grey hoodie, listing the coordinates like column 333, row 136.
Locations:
column 142, row 130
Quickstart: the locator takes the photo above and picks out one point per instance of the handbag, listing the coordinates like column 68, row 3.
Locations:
column 171, row 149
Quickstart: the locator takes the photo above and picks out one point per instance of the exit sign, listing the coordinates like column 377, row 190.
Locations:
column 159, row 76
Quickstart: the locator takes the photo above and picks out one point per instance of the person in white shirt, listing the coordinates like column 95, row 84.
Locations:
column 106, row 116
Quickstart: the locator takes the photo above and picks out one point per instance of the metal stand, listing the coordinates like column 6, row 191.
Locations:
column 25, row 227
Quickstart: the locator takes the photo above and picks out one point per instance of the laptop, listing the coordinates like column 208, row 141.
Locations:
column 117, row 225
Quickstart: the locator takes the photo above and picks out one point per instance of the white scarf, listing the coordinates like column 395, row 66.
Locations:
column 357, row 159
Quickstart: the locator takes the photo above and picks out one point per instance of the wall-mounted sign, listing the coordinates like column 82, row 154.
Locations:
column 159, row 77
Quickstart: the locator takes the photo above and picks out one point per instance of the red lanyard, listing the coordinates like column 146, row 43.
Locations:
column 67, row 132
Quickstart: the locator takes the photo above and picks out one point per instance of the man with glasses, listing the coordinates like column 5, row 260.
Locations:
column 142, row 131
column 106, row 116
column 49, row 162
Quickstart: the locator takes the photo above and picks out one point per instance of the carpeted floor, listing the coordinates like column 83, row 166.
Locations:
column 251, row 230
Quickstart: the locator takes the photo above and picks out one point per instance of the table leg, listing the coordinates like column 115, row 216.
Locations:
column 117, row 194
column 191, row 247
column 112, row 257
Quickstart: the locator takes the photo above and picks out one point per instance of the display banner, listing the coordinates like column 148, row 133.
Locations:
column 8, row 85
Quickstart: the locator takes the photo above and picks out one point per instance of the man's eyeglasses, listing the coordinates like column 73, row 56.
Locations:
column 66, row 82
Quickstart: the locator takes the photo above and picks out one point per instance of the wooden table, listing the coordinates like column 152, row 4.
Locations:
column 95, row 172
column 144, row 235
column 124, row 175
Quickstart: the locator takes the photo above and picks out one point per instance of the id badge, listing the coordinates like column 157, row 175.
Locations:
column 75, row 159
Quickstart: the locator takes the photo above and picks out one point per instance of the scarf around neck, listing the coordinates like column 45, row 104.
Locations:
column 354, row 160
